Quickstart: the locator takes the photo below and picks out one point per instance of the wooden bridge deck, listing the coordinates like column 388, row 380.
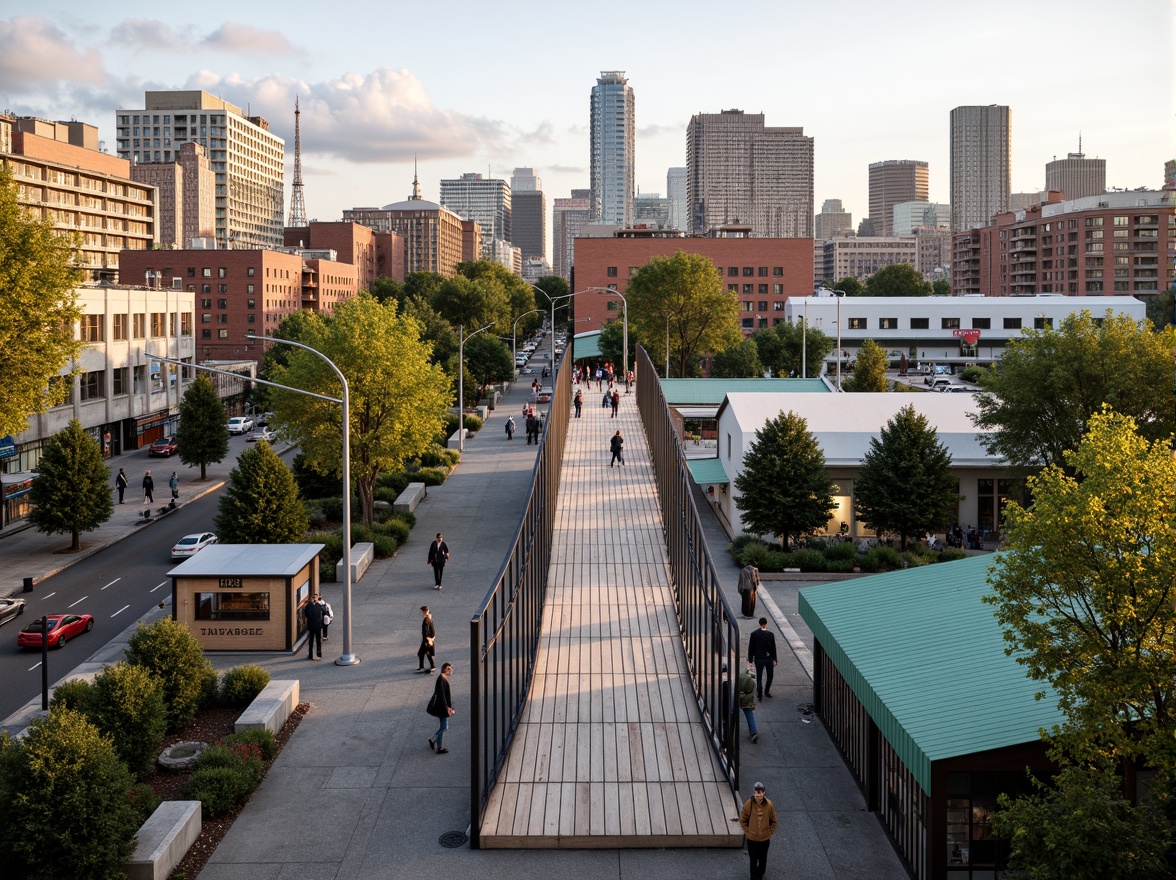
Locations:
column 611, row 751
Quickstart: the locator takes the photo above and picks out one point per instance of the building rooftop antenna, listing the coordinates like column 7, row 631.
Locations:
column 297, row 198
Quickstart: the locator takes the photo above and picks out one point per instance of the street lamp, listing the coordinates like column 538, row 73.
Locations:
column 514, row 353
column 462, row 339
column 348, row 658
column 839, row 295
column 624, row 328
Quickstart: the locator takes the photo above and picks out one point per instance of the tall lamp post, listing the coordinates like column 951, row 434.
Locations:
column 552, row 299
column 804, row 342
column 624, row 325
column 514, row 352
column 348, row 658
column 839, row 295
column 462, row 340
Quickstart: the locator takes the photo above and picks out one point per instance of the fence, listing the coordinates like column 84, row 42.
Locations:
column 710, row 633
column 505, row 630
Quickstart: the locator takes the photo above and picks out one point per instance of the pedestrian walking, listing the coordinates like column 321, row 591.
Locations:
column 313, row 613
column 174, row 485
column 599, row 378
column 328, row 616
column 616, row 402
column 758, row 821
column 578, row 402
column 438, row 556
column 747, row 699
column 441, row 707
column 748, row 588
column 120, row 482
column 617, row 446
column 148, row 489
column 606, row 401
column 428, row 635
column 510, row 427
column 628, row 381
column 761, row 647
column 533, row 425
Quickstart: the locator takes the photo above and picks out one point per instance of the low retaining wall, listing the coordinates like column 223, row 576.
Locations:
column 270, row 709
column 164, row 839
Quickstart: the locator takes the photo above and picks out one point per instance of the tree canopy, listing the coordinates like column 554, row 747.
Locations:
column 398, row 396
column 38, row 310
column 685, row 294
column 850, row 287
column 783, row 347
column 488, row 360
column 612, row 343
column 869, row 371
column 261, row 504
column 898, row 279
column 784, row 488
column 203, row 437
column 905, row 485
column 1036, row 406
column 738, row 362
column 71, row 494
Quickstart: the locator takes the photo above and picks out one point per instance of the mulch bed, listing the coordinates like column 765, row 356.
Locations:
column 209, row 727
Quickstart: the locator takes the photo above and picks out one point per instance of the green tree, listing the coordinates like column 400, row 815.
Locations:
column 422, row 284
column 905, row 485
column 850, row 287
column 261, row 504
column 488, row 360
column 203, row 436
column 398, row 397
column 551, row 285
column 292, row 327
column 941, row 287
column 898, row 279
column 126, row 704
column 1036, row 405
column 38, row 309
column 65, row 806
column 173, row 657
column 738, row 362
column 1161, row 309
column 869, row 371
column 783, row 347
column 71, row 494
column 386, row 290
column 612, row 343
column 435, row 331
column 503, row 285
column 784, row 488
column 684, row 296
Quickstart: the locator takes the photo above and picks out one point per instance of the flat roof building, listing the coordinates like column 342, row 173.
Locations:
column 892, row 182
column 981, row 164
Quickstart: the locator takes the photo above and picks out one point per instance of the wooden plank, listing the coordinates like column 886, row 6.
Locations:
column 612, row 809
column 582, row 826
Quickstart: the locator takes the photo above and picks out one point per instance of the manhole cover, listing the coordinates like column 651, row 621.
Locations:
column 453, row 839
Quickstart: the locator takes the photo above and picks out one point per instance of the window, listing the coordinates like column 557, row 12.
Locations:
column 249, row 289
column 949, row 323
column 206, row 318
column 732, row 271
column 250, row 303
column 222, row 334
column 920, row 323
column 747, row 306
column 222, row 319
column 982, row 323
column 185, row 323
column 1040, row 323
column 222, row 288
column 251, row 318
column 158, row 324
column 140, row 326
column 747, row 288
column 191, row 271
column 748, row 271
column 206, row 288
column 778, row 271
column 611, row 271
column 119, row 329
column 119, row 381
column 778, row 306
column 763, row 305
column 762, row 271
column 222, row 303
column 733, row 288
column 220, row 272
column 206, row 334
column 888, row 323
column 92, row 384
column 232, row 606
column 206, row 273
column 763, row 322
column 1121, row 221
column 249, row 271
column 206, row 303
column 857, row 323
column 749, row 323
column 778, row 289
column 1012, row 323
column 92, row 328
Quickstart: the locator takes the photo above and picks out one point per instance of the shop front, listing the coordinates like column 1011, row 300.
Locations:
column 15, row 489
column 246, row 597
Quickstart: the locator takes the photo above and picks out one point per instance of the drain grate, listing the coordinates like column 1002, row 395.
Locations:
column 452, row 839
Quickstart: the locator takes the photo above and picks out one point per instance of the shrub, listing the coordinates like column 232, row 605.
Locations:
column 315, row 517
column 241, row 684
column 72, row 694
column 439, row 457
column 473, row 424
column 914, row 559
column 809, row 560
column 429, row 476
column 65, row 804
column 970, row 374
column 243, row 756
column 841, row 566
column 395, row 482
column 171, row 654
column 384, row 546
column 219, row 789
column 331, row 508
column 312, row 484
column 841, row 550
column 263, row 739
column 384, row 493
column 144, row 801
column 951, row 554
column 395, row 528
column 775, row 560
column 739, row 543
column 881, row 558
column 754, row 554
column 126, row 704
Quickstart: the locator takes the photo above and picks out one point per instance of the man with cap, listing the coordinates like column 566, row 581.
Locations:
column 758, row 820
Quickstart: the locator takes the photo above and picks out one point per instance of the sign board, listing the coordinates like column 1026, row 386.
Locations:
column 7, row 446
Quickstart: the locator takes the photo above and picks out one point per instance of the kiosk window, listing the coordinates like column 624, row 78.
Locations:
column 232, row 606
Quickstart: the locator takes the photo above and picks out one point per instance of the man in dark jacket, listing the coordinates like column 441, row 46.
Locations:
column 314, row 611
column 617, row 446
column 438, row 556
column 761, row 648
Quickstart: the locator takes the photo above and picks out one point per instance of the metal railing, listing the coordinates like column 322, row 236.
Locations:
column 505, row 630
column 710, row 631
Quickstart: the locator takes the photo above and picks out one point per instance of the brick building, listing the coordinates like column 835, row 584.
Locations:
column 761, row 272
column 374, row 254
column 187, row 195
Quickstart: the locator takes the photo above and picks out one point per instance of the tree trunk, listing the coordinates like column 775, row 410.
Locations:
column 366, row 488
column 203, row 471
column 77, row 542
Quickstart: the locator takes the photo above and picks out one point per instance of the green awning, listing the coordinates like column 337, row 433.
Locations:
column 707, row 471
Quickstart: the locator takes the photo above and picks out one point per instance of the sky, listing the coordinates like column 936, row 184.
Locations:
column 487, row 87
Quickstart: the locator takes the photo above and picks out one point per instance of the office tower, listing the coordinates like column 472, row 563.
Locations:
column 891, row 182
column 484, row 200
column 248, row 161
column 651, row 210
column 568, row 219
column 187, row 195
column 676, row 192
column 909, row 216
column 612, row 149
column 740, row 173
column 1076, row 176
column 833, row 221
column 981, row 146
column 528, row 214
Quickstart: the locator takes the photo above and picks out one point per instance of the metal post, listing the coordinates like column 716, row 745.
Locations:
column 839, row 341
column 514, row 330
column 804, row 342
column 45, row 662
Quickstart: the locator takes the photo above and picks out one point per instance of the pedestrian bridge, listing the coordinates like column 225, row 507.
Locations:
column 612, row 746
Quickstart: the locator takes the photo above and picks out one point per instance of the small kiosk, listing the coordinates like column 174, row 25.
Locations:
column 246, row 597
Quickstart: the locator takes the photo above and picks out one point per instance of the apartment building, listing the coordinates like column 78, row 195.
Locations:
column 981, row 164
column 892, row 182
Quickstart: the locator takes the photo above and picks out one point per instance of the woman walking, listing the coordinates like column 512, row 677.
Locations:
column 428, row 633
column 441, row 706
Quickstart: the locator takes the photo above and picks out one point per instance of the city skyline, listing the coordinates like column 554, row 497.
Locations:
column 371, row 103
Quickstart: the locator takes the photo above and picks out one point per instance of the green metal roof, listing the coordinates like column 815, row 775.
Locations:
column 707, row 470
column 712, row 391
column 586, row 345
column 926, row 658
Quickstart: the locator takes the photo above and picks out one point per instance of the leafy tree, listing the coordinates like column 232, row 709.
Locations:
column 783, row 347
column 71, row 495
column 203, row 436
column 423, row 284
column 785, row 488
column 738, row 362
column 905, row 484
column 684, row 293
column 386, row 290
column 898, row 279
column 553, row 286
column 38, row 309
column 1161, row 309
column 398, row 398
column 292, row 327
column 1036, row 405
column 612, row 343
column 850, row 287
column 435, row 330
column 488, row 359
column 174, row 658
column 126, row 704
column 869, row 371
column 941, row 287
column 261, row 504
column 65, row 805
column 495, row 277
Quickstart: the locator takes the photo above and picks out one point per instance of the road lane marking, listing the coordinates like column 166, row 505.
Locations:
column 153, row 589
column 49, row 595
column 112, row 583
column 120, row 611
column 34, row 666
column 83, row 599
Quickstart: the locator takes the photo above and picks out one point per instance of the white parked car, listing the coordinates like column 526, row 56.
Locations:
column 267, row 434
column 240, row 424
column 192, row 544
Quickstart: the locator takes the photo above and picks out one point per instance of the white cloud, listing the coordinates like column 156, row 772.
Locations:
column 34, row 53
column 235, row 37
column 141, row 35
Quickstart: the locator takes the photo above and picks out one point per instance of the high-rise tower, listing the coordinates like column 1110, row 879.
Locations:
column 486, row 201
column 893, row 182
column 1077, row 176
column 981, row 164
column 612, row 148
column 297, row 199
column 528, row 214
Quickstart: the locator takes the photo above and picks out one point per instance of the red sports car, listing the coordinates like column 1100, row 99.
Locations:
column 62, row 627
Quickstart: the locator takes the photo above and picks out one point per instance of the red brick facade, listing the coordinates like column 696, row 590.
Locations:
column 761, row 272
column 372, row 253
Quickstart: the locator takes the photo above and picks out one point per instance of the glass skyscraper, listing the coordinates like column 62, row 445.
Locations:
column 612, row 149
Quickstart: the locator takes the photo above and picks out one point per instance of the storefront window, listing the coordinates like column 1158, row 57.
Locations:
column 232, row 606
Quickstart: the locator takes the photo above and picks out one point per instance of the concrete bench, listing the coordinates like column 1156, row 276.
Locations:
column 362, row 555
column 270, row 709
column 455, row 441
column 407, row 501
column 164, row 839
